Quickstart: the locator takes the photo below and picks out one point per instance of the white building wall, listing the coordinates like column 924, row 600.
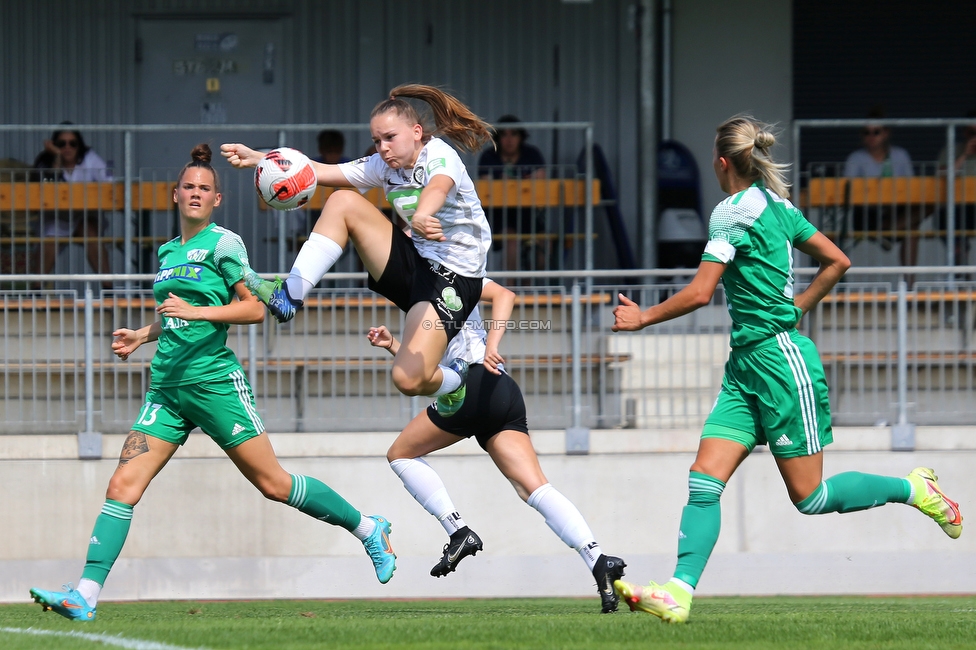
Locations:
column 202, row 531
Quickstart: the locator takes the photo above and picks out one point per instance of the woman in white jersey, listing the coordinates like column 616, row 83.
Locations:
column 774, row 391
column 494, row 413
column 436, row 278
column 197, row 381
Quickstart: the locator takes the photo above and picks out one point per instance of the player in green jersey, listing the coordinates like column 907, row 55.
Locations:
column 774, row 391
column 197, row 381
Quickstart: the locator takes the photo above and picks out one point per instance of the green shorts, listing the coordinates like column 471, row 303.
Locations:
column 774, row 393
column 223, row 408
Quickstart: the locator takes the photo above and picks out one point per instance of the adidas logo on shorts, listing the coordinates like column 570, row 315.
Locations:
column 783, row 441
column 237, row 429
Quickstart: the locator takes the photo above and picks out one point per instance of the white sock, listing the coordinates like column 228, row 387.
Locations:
column 566, row 521
column 424, row 485
column 365, row 528
column 316, row 257
column 89, row 590
column 449, row 383
column 684, row 585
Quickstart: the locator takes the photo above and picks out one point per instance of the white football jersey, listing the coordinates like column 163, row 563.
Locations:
column 468, row 236
column 469, row 344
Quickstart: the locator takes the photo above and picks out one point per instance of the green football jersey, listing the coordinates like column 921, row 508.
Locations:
column 202, row 272
column 753, row 232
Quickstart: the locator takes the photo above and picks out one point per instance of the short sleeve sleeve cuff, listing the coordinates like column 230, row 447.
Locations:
column 719, row 251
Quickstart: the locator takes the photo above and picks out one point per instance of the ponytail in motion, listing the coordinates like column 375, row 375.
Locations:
column 451, row 118
column 746, row 143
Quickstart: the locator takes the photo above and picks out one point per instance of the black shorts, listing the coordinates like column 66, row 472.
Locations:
column 492, row 404
column 410, row 278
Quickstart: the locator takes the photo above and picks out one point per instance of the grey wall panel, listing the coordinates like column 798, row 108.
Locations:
column 75, row 59
column 716, row 76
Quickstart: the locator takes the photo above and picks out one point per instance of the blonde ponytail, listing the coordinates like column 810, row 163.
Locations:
column 746, row 143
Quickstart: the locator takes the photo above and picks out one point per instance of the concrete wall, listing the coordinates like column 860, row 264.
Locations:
column 739, row 60
column 203, row 532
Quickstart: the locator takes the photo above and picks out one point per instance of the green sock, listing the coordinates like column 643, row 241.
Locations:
column 701, row 521
column 316, row 499
column 108, row 536
column 852, row 491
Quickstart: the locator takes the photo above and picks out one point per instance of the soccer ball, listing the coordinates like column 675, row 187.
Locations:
column 285, row 178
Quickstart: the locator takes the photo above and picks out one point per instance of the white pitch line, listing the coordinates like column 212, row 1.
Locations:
column 107, row 639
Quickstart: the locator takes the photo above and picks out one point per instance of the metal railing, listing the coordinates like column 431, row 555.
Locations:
column 124, row 224
column 925, row 217
column 892, row 355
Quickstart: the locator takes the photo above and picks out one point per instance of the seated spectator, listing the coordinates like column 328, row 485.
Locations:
column 965, row 150
column 965, row 212
column 332, row 145
column 67, row 158
column 880, row 159
column 511, row 157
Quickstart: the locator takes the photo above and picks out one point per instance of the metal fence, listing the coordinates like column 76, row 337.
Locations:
column 897, row 210
column 50, row 226
column 892, row 354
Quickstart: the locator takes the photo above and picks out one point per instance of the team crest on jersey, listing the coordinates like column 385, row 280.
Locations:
column 450, row 300
column 197, row 255
column 418, row 175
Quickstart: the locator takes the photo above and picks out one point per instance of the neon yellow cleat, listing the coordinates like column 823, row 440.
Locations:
column 668, row 602
column 931, row 500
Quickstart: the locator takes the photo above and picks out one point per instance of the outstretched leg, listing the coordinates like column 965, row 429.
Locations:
column 853, row 491
column 515, row 457
column 257, row 461
column 141, row 459
column 347, row 215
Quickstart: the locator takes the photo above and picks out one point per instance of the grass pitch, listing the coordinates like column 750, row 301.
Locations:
column 780, row 622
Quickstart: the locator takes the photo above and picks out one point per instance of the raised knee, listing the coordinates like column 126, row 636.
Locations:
column 406, row 383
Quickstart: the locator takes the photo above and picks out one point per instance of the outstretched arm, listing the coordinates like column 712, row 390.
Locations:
column 242, row 157
column 833, row 264
column 698, row 293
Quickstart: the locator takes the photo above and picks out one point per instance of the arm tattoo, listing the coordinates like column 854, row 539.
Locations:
column 135, row 445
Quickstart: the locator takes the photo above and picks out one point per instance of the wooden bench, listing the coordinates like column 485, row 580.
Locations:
column 867, row 192
column 146, row 195
column 335, row 302
column 299, row 368
column 853, row 297
column 31, row 199
column 918, row 195
column 918, row 359
column 506, row 193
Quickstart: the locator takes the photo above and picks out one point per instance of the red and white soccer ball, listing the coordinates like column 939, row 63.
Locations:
column 285, row 178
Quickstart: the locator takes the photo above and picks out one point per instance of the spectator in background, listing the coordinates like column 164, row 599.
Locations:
column 67, row 158
column 332, row 145
column 965, row 212
column 965, row 150
column 511, row 157
column 880, row 159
